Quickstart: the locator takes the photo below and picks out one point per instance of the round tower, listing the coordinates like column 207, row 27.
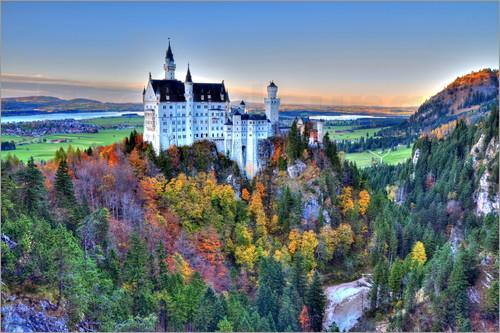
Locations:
column 272, row 104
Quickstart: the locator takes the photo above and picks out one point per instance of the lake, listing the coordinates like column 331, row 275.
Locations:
column 106, row 114
column 62, row 115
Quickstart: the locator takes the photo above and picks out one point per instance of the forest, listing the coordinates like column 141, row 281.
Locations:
column 118, row 238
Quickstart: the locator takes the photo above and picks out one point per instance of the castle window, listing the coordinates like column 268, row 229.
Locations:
column 170, row 107
column 164, row 107
column 197, row 106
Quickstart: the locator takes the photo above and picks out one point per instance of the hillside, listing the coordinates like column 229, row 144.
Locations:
column 42, row 104
column 469, row 97
column 119, row 238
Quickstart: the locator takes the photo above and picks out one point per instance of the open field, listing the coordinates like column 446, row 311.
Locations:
column 109, row 121
column 364, row 159
column 41, row 148
column 349, row 132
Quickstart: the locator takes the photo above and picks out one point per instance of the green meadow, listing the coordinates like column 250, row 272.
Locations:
column 41, row 148
column 366, row 158
column 349, row 132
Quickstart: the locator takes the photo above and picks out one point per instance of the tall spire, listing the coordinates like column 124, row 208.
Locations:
column 170, row 55
column 188, row 76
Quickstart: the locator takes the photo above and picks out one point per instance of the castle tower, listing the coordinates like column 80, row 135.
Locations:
column 272, row 103
column 169, row 65
column 243, row 107
column 188, row 94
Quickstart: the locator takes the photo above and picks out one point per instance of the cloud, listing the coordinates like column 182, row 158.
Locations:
column 15, row 85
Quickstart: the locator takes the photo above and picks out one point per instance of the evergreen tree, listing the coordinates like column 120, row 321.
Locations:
column 299, row 274
column 315, row 301
column 65, row 196
column 34, row 195
column 293, row 143
column 136, row 275
column 289, row 311
column 457, row 286
column 331, row 152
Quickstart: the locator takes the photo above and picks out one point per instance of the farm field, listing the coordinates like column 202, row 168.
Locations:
column 348, row 132
column 364, row 159
column 109, row 121
column 42, row 149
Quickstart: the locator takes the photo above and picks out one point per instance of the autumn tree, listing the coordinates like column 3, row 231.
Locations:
column 364, row 201
column 418, row 255
column 346, row 201
column 304, row 320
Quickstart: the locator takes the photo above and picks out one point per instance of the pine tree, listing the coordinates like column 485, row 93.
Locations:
column 293, row 143
column 457, row 287
column 34, row 195
column 315, row 301
column 65, row 196
column 136, row 275
column 299, row 274
column 289, row 311
column 331, row 152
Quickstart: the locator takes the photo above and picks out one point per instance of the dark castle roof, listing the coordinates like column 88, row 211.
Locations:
column 272, row 84
column 202, row 92
column 170, row 55
column 188, row 76
column 253, row 116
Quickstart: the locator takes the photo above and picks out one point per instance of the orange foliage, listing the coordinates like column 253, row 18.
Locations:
column 304, row 320
column 110, row 154
column 278, row 151
column 364, row 201
column 245, row 195
column 346, row 203
column 138, row 163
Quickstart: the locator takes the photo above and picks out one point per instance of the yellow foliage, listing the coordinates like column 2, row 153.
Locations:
column 364, row 201
column 182, row 266
column 246, row 255
column 308, row 245
column 346, row 202
column 294, row 241
column 256, row 209
column 345, row 236
column 327, row 237
column 200, row 200
column 391, row 192
column 273, row 224
column 418, row 254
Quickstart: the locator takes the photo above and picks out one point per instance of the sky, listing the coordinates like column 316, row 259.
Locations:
column 335, row 53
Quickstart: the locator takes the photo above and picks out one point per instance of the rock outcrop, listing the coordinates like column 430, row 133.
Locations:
column 20, row 317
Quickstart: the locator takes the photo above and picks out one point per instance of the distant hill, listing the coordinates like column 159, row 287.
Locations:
column 42, row 104
column 469, row 96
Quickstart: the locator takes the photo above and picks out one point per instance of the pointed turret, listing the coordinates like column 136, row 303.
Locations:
column 170, row 55
column 169, row 65
column 188, row 76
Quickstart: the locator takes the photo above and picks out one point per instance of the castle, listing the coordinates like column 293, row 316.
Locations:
column 180, row 113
